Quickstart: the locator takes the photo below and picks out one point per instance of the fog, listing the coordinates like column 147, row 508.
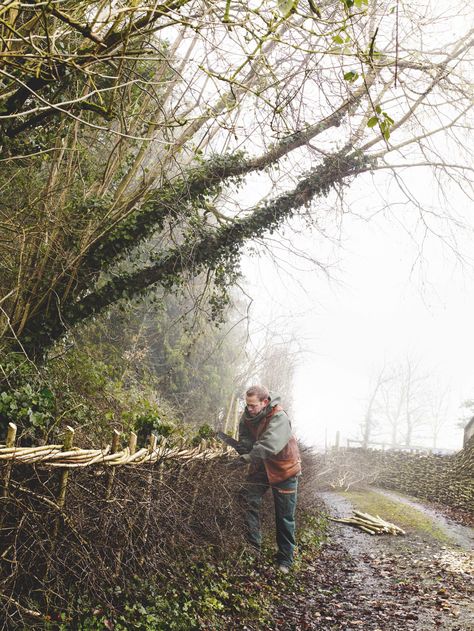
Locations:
column 385, row 293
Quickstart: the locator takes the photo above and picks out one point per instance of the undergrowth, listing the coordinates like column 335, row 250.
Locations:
column 202, row 593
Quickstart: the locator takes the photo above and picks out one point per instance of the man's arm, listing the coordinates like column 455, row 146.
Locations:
column 273, row 439
column 245, row 438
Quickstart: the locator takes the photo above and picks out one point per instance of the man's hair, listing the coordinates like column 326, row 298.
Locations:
column 260, row 391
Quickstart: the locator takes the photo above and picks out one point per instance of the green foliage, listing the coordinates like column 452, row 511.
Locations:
column 287, row 7
column 358, row 4
column 30, row 407
column 204, row 433
column 351, row 76
column 148, row 418
column 313, row 533
column 25, row 399
column 192, row 595
column 198, row 592
column 77, row 389
column 382, row 120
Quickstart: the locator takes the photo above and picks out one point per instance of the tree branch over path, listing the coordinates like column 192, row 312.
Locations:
column 219, row 246
column 166, row 200
column 130, row 131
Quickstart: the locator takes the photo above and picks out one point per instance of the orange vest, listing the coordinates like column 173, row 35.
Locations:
column 285, row 463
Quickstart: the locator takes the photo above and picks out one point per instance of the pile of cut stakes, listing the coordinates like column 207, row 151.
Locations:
column 370, row 524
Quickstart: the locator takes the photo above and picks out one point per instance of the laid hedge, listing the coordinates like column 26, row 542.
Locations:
column 446, row 479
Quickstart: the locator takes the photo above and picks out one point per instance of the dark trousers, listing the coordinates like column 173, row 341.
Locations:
column 284, row 497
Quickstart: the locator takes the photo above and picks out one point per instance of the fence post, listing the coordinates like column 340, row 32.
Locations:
column 161, row 466
column 229, row 411
column 61, row 499
column 149, row 485
column 132, row 447
column 236, row 419
column 10, row 442
column 113, row 450
column 203, row 445
column 68, row 440
column 132, row 443
column 338, row 436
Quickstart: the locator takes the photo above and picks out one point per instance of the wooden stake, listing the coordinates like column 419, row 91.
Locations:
column 202, row 447
column 11, row 437
column 113, row 450
column 68, row 440
column 236, row 419
column 149, row 486
column 132, row 443
column 61, row 500
column 132, row 447
column 229, row 412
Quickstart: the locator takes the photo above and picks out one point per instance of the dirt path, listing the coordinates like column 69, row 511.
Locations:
column 421, row 582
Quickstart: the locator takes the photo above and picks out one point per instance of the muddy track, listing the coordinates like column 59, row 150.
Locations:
column 383, row 583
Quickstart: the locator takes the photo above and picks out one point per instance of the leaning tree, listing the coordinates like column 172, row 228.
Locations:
column 128, row 128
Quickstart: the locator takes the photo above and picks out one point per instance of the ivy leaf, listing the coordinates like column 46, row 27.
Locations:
column 287, row 6
column 47, row 394
column 351, row 76
column 337, row 39
column 385, row 129
column 372, row 121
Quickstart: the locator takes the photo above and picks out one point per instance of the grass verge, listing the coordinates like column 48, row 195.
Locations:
column 403, row 515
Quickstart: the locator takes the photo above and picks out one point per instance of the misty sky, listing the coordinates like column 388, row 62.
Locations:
column 394, row 293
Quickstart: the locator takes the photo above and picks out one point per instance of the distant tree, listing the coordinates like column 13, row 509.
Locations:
column 415, row 400
column 371, row 421
column 393, row 395
column 406, row 402
column 274, row 364
column 192, row 361
column 437, row 417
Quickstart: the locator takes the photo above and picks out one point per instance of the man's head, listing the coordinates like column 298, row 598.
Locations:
column 256, row 398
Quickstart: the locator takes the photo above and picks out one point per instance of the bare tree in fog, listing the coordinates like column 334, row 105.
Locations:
column 392, row 397
column 410, row 405
column 437, row 417
column 371, row 421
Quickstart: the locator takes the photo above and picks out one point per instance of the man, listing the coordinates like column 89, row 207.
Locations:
column 268, row 445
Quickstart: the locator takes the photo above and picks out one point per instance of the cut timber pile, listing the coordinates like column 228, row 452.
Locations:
column 369, row 523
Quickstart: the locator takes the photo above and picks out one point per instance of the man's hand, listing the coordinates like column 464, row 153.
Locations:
column 236, row 463
column 241, row 449
column 228, row 440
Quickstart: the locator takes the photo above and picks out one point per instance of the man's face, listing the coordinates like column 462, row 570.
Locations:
column 254, row 405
